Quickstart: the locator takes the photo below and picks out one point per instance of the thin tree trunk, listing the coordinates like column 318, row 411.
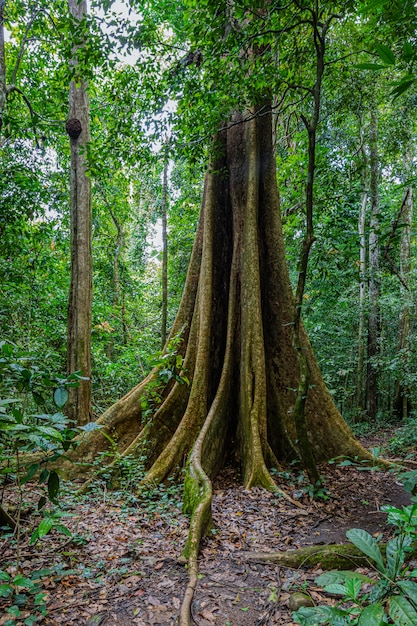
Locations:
column 3, row 86
column 362, row 309
column 80, row 299
column 306, row 453
column 402, row 390
column 374, row 277
column 164, row 250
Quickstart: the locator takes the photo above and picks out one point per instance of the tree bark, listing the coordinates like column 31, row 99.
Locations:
column 374, row 277
column 362, row 309
column 80, row 297
column 164, row 249
column 3, row 85
column 402, row 404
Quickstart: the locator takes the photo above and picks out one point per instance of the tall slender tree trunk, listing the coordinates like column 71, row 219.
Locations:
column 402, row 391
column 3, row 86
column 80, row 298
column 164, row 248
column 374, row 273
column 360, row 373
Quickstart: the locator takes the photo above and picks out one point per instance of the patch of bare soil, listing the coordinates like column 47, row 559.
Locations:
column 123, row 567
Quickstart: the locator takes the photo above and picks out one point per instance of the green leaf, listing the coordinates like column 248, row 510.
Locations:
column 374, row 4
column 372, row 615
column 49, row 432
column 44, row 527
column 44, row 475
column 366, row 544
column 63, row 529
column 5, row 590
column 353, row 587
column 408, row 51
column 402, row 612
column 53, row 486
column 369, row 66
column 335, row 576
column 32, row 469
column 311, row 616
column 403, row 86
column 60, row 397
column 90, row 426
column 409, row 588
column 336, row 589
column 386, row 54
column 39, row 401
column 395, row 556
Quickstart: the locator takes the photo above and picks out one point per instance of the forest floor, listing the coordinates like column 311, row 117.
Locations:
column 122, row 565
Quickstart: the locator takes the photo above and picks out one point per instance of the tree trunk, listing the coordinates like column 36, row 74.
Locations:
column 362, row 309
column 374, row 278
column 3, row 85
column 402, row 391
column 236, row 322
column 80, row 298
column 164, row 250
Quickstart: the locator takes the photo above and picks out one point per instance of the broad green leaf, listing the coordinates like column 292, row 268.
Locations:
column 7, row 401
column 366, row 544
column 45, row 526
column 372, row 615
column 311, row 616
column 386, row 54
column 4, row 575
column 63, row 529
column 395, row 556
column 49, row 432
column 402, row 87
column 22, row 581
column 60, row 397
column 335, row 576
column 402, row 612
column 53, row 486
column 336, row 589
column 41, row 502
column 5, row 590
column 409, row 588
column 369, row 66
column 32, row 469
column 353, row 587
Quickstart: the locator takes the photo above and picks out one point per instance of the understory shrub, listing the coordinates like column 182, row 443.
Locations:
column 388, row 598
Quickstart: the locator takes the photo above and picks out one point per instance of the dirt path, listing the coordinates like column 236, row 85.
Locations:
column 124, row 568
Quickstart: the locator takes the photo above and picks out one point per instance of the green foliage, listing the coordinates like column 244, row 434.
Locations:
column 365, row 601
column 405, row 437
column 23, row 592
column 23, row 428
column 169, row 366
column 29, row 389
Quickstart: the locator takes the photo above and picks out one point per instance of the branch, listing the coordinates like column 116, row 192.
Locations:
column 28, row 104
column 22, row 46
column 391, row 238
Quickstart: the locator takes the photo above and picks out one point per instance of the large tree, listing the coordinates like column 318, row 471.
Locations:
column 236, row 325
column 227, row 386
